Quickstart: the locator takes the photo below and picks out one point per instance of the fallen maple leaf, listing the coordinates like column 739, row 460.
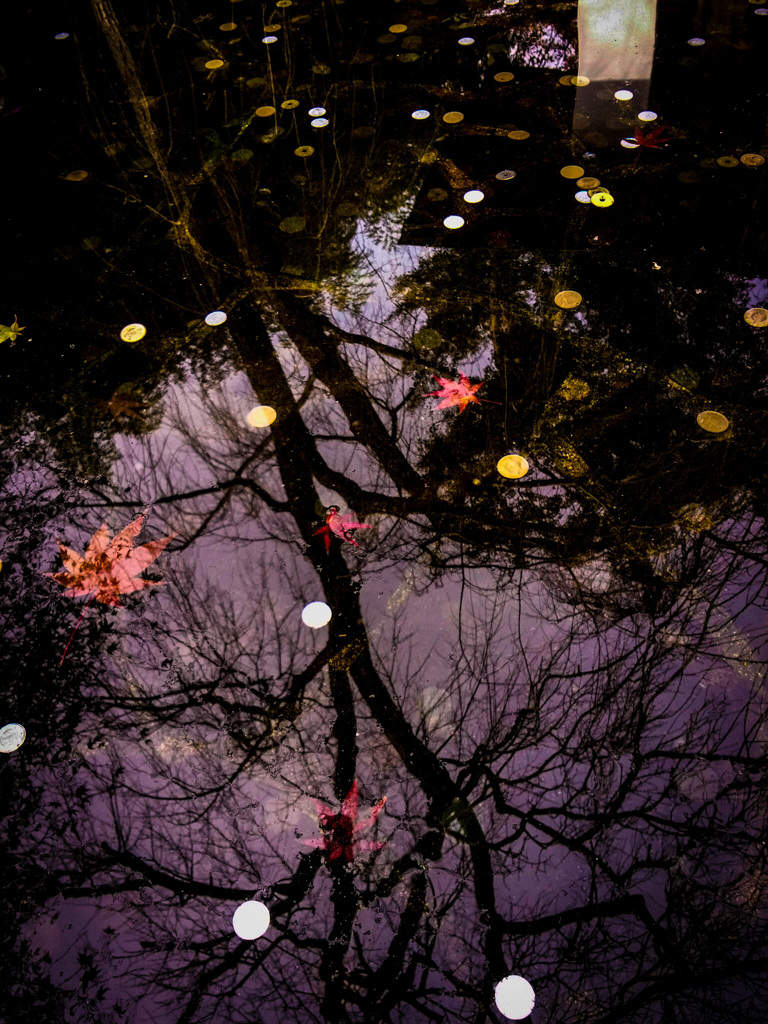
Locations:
column 340, row 828
column 650, row 137
column 11, row 332
column 109, row 567
column 460, row 392
column 334, row 523
column 124, row 406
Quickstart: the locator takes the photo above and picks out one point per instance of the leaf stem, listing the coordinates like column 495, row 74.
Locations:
column 76, row 628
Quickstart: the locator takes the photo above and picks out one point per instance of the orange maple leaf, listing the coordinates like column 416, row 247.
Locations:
column 109, row 567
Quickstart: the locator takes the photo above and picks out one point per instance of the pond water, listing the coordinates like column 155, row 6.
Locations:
column 385, row 451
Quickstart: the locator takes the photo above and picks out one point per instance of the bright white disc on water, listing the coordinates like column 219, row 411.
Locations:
column 474, row 196
column 630, row 143
column 454, row 222
column 420, row 115
column 466, row 41
column 316, row 111
column 215, row 318
column 506, row 175
column 269, row 39
column 62, row 35
column 583, row 197
column 11, row 737
column 647, row 115
column 319, row 122
column 623, row 94
column 515, row 997
column 250, row 920
column 316, row 614
column 696, row 41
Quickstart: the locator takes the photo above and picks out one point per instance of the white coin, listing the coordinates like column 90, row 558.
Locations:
column 582, row 197
column 11, row 737
column 215, row 318
column 319, row 122
column 420, row 115
column 623, row 94
column 316, row 111
column 316, row 614
column 474, row 196
column 515, row 997
column 250, row 920
column 466, row 41
column 454, row 222
column 647, row 115
column 506, row 175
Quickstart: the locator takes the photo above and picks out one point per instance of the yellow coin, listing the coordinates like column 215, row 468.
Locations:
column 261, row 416
column 133, row 332
column 397, row 29
column 283, row 3
column 588, row 182
column 714, row 422
column 752, row 159
column 453, row 117
column 602, row 199
column 579, row 80
column 77, row 175
column 272, row 28
column 727, row 161
column 566, row 80
column 304, row 151
column 757, row 317
column 289, row 104
column 264, row 111
column 512, row 466
column 504, row 76
column 518, row 136
column 228, row 26
column 568, row 300
column 571, row 171
column 213, row 65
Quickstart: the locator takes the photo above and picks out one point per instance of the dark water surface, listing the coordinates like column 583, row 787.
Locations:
column 529, row 735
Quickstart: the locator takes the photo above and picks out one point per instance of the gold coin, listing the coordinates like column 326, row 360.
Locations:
column 283, row 3
column 261, row 416
column 133, row 332
column 503, row 76
column 579, row 80
column 292, row 225
column 571, row 171
column 397, row 29
column 289, row 104
column 566, row 80
column 272, row 28
column 213, row 65
column 453, row 117
column 602, row 199
column 597, row 191
column 727, row 161
column 512, row 466
column 752, row 159
column 518, row 136
column 714, row 422
column 568, row 300
column 304, row 151
column 757, row 317
column 228, row 26
column 77, row 176
column 588, row 182
column 264, row 111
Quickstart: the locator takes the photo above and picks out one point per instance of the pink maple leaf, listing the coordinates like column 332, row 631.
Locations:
column 341, row 827
column 460, row 392
column 340, row 525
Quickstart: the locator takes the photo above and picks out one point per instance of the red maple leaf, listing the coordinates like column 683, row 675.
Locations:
column 109, row 567
column 340, row 828
column 453, row 392
column 650, row 137
column 334, row 523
